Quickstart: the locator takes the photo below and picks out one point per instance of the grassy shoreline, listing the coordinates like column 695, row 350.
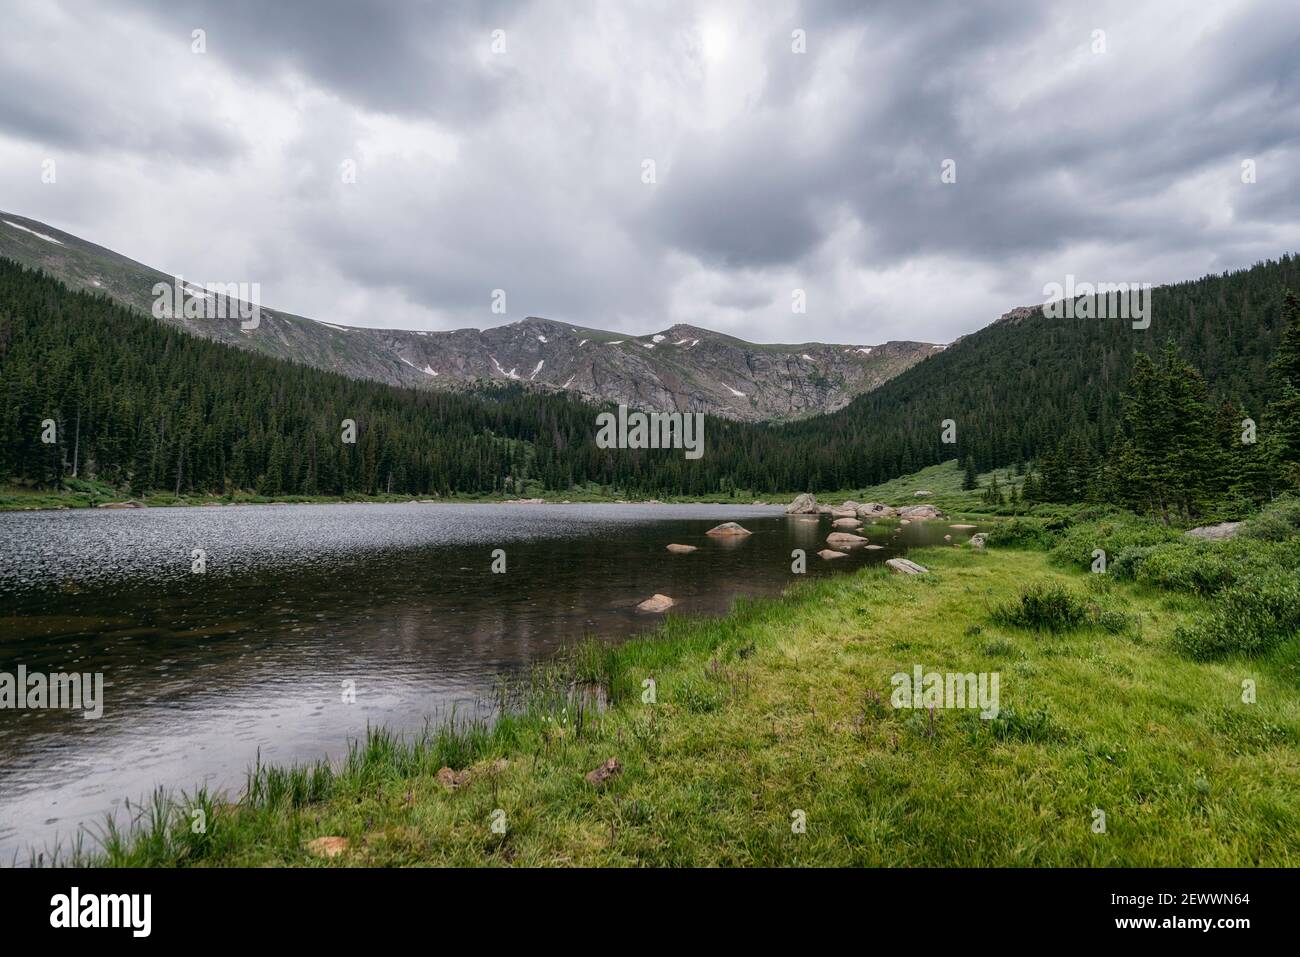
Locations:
column 784, row 706
column 943, row 481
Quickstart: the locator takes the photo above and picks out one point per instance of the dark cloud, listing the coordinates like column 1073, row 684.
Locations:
column 395, row 56
column 775, row 169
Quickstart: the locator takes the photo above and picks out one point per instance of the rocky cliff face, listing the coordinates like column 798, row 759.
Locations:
column 682, row 368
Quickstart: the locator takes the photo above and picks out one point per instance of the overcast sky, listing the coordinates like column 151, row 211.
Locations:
column 522, row 169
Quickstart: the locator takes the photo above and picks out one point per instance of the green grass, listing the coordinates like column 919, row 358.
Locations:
column 784, row 706
column 944, row 482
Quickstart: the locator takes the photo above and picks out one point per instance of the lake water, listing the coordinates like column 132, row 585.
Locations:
column 202, row 671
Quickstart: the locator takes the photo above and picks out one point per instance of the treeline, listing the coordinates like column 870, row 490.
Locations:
column 1019, row 388
column 148, row 407
column 95, row 390
column 1177, row 453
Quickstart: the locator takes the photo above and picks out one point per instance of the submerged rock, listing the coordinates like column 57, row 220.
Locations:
column 727, row 529
column 831, row 553
column 681, row 549
column 846, row 539
column 846, row 523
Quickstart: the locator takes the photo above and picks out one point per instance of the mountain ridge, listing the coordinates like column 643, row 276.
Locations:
column 680, row 368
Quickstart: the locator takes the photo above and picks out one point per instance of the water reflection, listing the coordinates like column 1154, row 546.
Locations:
column 204, row 671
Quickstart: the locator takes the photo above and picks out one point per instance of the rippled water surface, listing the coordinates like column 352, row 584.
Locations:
column 204, row 670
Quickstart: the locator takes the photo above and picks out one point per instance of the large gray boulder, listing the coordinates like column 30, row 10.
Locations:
column 873, row 510
column 920, row 512
column 1215, row 533
column 802, row 505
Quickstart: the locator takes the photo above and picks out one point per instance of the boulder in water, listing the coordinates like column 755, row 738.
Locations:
column 802, row 504
column 727, row 529
column 656, row 603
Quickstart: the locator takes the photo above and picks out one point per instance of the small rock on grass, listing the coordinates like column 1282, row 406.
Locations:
column 903, row 566
column 609, row 769
column 328, row 846
column 453, row 780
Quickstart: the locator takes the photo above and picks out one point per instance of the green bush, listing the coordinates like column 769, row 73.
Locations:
column 1127, row 564
column 1202, row 567
column 1113, row 535
column 1111, row 620
column 1206, row 568
column 1043, row 606
column 1020, row 533
column 1277, row 522
column 1250, row 618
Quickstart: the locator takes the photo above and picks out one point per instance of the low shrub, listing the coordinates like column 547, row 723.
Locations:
column 1201, row 567
column 1205, row 568
column 1277, row 522
column 1250, row 618
column 1111, row 620
column 1114, row 536
column 1020, row 533
column 1127, row 564
column 1043, row 606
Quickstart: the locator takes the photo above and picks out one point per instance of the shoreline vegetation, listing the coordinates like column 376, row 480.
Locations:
column 1148, row 716
column 942, row 481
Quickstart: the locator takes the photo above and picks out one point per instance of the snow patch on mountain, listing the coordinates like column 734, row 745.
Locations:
column 48, row 239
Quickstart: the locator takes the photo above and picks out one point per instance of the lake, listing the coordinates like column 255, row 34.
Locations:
column 202, row 671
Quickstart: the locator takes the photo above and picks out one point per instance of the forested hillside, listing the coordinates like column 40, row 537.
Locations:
column 1025, row 385
column 147, row 406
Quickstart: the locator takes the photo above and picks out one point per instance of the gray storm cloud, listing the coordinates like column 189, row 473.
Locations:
column 515, row 160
